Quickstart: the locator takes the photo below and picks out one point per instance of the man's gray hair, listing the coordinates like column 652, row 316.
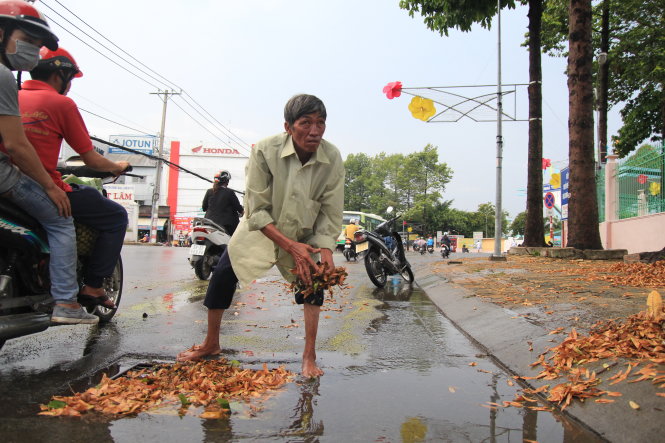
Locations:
column 303, row 104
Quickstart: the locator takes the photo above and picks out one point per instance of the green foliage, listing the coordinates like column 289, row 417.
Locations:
column 517, row 227
column 635, row 57
column 442, row 15
column 412, row 183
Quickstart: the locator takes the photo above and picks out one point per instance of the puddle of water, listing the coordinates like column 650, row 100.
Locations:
column 411, row 382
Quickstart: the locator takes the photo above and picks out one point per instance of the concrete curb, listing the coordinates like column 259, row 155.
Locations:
column 504, row 335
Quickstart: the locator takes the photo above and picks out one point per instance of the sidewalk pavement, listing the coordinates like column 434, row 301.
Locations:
column 517, row 309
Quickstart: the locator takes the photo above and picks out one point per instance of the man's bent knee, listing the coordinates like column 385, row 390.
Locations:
column 315, row 298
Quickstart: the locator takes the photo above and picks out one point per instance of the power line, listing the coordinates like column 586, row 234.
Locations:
column 96, row 41
column 201, row 124
column 229, row 134
column 172, row 85
column 100, row 53
column 109, row 120
column 198, row 108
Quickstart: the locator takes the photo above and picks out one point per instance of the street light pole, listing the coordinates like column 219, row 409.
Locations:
column 154, row 212
column 499, row 141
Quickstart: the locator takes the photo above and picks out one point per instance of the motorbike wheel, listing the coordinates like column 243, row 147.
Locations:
column 202, row 269
column 113, row 287
column 375, row 271
column 347, row 255
column 407, row 274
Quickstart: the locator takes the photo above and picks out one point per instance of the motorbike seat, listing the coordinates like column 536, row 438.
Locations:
column 18, row 215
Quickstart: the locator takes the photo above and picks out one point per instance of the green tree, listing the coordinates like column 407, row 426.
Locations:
column 517, row 227
column 357, row 188
column 631, row 32
column 638, row 71
column 484, row 220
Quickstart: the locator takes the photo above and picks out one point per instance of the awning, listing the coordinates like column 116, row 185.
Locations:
column 144, row 223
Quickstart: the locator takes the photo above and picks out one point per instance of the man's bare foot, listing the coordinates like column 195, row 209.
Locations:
column 310, row 369
column 197, row 352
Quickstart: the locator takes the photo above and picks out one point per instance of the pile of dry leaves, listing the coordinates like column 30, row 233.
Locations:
column 650, row 275
column 321, row 279
column 210, row 384
column 640, row 339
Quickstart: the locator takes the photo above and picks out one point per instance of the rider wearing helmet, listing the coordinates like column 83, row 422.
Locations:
column 22, row 31
column 49, row 116
column 351, row 228
column 221, row 203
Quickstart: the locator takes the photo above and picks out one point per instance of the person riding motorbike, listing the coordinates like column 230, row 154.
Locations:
column 221, row 204
column 23, row 178
column 430, row 242
column 350, row 232
column 445, row 243
column 351, row 229
column 49, row 116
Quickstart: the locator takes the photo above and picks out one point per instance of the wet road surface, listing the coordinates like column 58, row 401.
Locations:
column 396, row 370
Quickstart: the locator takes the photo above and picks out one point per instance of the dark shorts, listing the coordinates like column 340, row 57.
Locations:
column 223, row 285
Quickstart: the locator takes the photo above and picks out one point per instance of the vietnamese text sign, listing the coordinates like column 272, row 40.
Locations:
column 122, row 194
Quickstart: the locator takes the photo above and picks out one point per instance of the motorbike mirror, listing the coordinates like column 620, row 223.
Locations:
column 389, row 210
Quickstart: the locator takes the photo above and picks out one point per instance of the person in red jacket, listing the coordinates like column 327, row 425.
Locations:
column 49, row 116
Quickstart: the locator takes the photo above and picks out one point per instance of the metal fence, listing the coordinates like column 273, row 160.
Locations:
column 640, row 182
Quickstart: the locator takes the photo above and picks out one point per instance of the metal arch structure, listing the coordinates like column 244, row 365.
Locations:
column 472, row 107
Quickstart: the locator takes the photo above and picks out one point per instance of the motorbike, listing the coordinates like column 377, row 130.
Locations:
column 445, row 251
column 350, row 250
column 430, row 248
column 209, row 240
column 25, row 301
column 381, row 261
column 422, row 249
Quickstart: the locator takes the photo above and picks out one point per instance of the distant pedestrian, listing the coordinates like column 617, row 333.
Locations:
column 479, row 245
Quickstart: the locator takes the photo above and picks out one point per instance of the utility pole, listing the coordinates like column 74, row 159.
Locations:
column 499, row 143
column 154, row 213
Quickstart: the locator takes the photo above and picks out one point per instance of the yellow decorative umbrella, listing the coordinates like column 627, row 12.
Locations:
column 422, row 108
column 555, row 180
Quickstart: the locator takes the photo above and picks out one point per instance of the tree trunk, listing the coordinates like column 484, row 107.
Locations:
column 534, row 231
column 603, row 84
column 583, row 232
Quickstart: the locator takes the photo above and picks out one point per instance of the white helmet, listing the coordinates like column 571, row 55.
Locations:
column 353, row 220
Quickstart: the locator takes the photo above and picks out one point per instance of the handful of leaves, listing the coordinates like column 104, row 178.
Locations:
column 321, row 280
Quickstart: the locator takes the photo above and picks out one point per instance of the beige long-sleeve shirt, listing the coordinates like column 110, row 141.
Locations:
column 305, row 202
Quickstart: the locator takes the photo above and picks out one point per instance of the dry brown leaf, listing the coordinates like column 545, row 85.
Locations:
column 634, row 405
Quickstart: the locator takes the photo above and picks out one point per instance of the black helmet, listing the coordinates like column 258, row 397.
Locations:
column 223, row 177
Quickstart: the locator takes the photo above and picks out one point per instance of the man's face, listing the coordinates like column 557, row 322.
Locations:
column 18, row 34
column 307, row 131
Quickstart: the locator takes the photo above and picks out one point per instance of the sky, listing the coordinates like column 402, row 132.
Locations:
column 242, row 60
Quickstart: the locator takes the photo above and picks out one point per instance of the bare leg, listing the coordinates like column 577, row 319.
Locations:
column 210, row 345
column 309, row 367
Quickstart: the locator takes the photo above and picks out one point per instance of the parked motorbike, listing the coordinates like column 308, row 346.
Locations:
column 350, row 250
column 445, row 251
column 25, row 301
column 380, row 261
column 209, row 240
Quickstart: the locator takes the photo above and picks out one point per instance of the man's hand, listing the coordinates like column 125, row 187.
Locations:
column 301, row 254
column 119, row 168
column 60, row 199
column 327, row 258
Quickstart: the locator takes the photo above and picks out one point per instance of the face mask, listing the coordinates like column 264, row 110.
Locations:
column 25, row 58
